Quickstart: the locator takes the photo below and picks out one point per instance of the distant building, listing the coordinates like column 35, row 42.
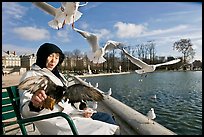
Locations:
column 10, row 60
column 74, row 64
column 27, row 61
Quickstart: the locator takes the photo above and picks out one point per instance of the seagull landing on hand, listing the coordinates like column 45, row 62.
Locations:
column 98, row 52
column 151, row 114
column 75, row 93
column 144, row 66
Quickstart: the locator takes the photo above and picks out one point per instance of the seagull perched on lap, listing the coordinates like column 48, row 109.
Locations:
column 98, row 52
column 144, row 66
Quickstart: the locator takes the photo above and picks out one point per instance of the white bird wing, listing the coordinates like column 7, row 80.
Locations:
column 169, row 62
column 77, row 15
column 134, row 60
column 109, row 92
column 33, row 83
column 110, row 45
column 78, row 92
column 91, row 38
column 70, row 7
column 46, row 7
column 58, row 20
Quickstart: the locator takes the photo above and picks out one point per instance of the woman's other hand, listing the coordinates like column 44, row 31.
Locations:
column 88, row 112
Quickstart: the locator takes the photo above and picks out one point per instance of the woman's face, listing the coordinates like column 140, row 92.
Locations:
column 52, row 61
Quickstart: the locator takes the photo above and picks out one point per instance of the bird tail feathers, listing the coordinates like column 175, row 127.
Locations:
column 90, row 56
column 140, row 71
column 33, row 83
column 99, row 60
column 73, row 18
column 54, row 24
column 77, row 15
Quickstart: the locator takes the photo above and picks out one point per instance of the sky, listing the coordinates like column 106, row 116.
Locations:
column 25, row 26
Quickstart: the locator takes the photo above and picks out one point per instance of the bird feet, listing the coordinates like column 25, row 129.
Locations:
column 73, row 25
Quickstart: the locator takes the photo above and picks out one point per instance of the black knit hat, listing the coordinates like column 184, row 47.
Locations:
column 44, row 51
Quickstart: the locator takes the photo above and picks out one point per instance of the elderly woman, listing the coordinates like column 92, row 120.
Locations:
column 49, row 57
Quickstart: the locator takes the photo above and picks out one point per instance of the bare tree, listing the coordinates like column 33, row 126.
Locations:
column 185, row 47
column 142, row 51
column 152, row 51
column 77, row 57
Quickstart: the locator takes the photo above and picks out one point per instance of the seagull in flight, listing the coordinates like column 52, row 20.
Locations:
column 71, row 11
column 67, row 13
column 98, row 52
column 144, row 66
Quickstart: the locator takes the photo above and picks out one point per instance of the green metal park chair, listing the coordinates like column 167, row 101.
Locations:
column 10, row 110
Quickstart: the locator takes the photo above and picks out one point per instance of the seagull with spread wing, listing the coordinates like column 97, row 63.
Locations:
column 66, row 14
column 97, row 53
column 74, row 93
column 144, row 66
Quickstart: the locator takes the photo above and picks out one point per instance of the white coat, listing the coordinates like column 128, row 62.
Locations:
column 58, row 125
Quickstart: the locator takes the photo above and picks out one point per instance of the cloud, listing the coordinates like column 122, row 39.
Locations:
column 197, row 46
column 31, row 33
column 165, row 31
column 128, row 30
column 63, row 36
column 84, row 25
column 92, row 5
column 13, row 10
column 181, row 13
column 103, row 33
column 12, row 15
column 164, row 38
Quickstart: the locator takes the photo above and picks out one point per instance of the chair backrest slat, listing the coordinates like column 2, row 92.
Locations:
column 15, row 100
column 7, row 107
column 10, row 100
column 6, row 101
column 4, row 94
column 8, row 115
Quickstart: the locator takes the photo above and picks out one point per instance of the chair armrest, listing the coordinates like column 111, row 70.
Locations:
column 51, row 115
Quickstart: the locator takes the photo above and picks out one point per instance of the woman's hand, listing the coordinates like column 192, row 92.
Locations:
column 88, row 112
column 38, row 98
